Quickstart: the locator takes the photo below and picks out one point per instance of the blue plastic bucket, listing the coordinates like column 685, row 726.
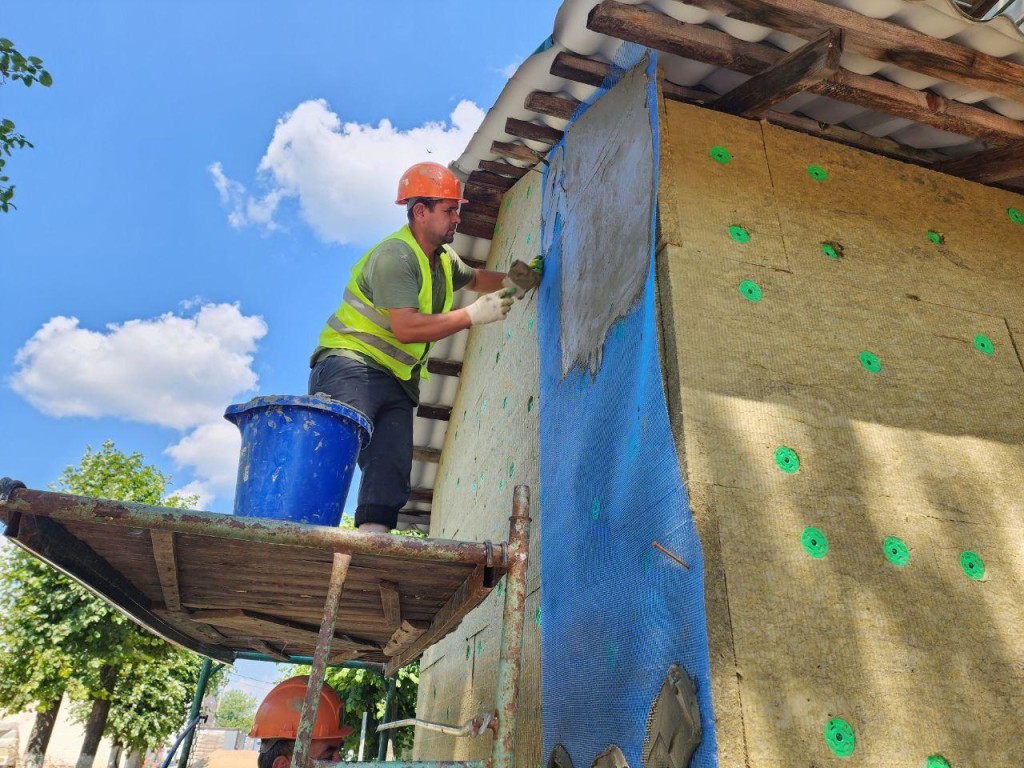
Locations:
column 298, row 457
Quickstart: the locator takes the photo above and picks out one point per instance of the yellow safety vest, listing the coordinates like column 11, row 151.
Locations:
column 360, row 326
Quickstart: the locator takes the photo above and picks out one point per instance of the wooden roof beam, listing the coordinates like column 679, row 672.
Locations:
column 654, row 30
column 444, row 367
column 988, row 166
column 881, row 41
column 675, row 92
column 429, row 455
column 533, row 131
column 422, row 495
column 792, row 74
column 504, row 169
column 552, row 104
column 519, row 152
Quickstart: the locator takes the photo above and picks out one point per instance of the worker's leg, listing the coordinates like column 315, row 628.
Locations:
column 386, row 462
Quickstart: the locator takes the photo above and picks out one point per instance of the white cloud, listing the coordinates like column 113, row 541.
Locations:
column 211, row 452
column 343, row 175
column 171, row 371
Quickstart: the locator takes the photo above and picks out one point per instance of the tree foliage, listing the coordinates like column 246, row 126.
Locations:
column 236, row 709
column 15, row 67
column 56, row 636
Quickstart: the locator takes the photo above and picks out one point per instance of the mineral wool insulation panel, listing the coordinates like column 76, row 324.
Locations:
column 490, row 447
column 851, row 430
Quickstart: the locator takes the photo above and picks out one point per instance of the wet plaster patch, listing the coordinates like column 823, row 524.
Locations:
column 601, row 190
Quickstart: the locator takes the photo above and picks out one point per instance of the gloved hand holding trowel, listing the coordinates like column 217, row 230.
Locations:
column 523, row 277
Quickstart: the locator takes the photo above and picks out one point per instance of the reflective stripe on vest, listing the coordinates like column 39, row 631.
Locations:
column 359, row 326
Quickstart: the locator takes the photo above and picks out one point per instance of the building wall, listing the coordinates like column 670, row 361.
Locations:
column 490, row 447
column 924, row 442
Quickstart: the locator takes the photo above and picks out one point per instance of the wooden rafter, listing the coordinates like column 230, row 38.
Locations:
column 882, row 41
column 504, row 169
column 434, row 411
column 444, row 367
column 406, row 634
column 654, row 30
column 796, row 72
column 487, row 179
column 166, row 567
column 421, row 495
column 552, row 104
column 519, row 152
column 524, row 129
column 429, row 455
column 571, row 63
column 990, row 166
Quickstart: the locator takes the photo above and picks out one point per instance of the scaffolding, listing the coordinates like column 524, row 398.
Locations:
column 216, row 584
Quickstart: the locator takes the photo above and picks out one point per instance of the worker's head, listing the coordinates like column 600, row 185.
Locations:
column 431, row 196
column 277, row 723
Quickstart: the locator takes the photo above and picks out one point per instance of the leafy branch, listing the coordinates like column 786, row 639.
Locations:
column 15, row 67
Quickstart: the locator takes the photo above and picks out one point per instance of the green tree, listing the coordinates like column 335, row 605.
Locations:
column 57, row 638
column 366, row 691
column 236, row 709
column 27, row 69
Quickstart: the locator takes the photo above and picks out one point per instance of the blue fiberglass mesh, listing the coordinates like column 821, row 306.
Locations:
column 615, row 612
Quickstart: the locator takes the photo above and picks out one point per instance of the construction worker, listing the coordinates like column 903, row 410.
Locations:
column 277, row 722
column 373, row 350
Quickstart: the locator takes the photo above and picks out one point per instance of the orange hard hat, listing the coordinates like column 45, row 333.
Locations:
column 428, row 180
column 278, row 715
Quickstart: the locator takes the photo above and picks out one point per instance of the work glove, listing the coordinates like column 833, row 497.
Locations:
column 489, row 308
column 521, row 278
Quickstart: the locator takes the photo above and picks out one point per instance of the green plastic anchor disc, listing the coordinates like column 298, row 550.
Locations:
column 750, row 290
column 896, row 551
column 937, row 761
column 839, row 737
column 1015, row 215
column 984, row 344
column 815, row 542
column 739, row 234
column 936, row 237
column 786, row 459
column 720, row 154
column 832, row 250
column 870, row 361
column 974, row 566
column 817, row 173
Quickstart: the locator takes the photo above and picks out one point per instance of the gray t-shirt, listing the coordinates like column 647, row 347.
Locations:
column 391, row 279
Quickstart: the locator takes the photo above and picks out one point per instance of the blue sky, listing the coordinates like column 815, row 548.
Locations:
column 204, row 175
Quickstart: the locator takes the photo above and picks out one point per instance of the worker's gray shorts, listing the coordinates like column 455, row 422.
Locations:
column 386, row 462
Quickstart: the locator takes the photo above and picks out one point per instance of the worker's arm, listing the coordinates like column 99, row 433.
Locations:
column 485, row 281
column 410, row 325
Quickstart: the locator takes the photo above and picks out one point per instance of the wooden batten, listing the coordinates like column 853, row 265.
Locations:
column 406, row 634
column 166, row 567
column 796, row 72
column 390, row 601
column 487, row 179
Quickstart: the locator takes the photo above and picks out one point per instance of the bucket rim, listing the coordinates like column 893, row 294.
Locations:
column 319, row 401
